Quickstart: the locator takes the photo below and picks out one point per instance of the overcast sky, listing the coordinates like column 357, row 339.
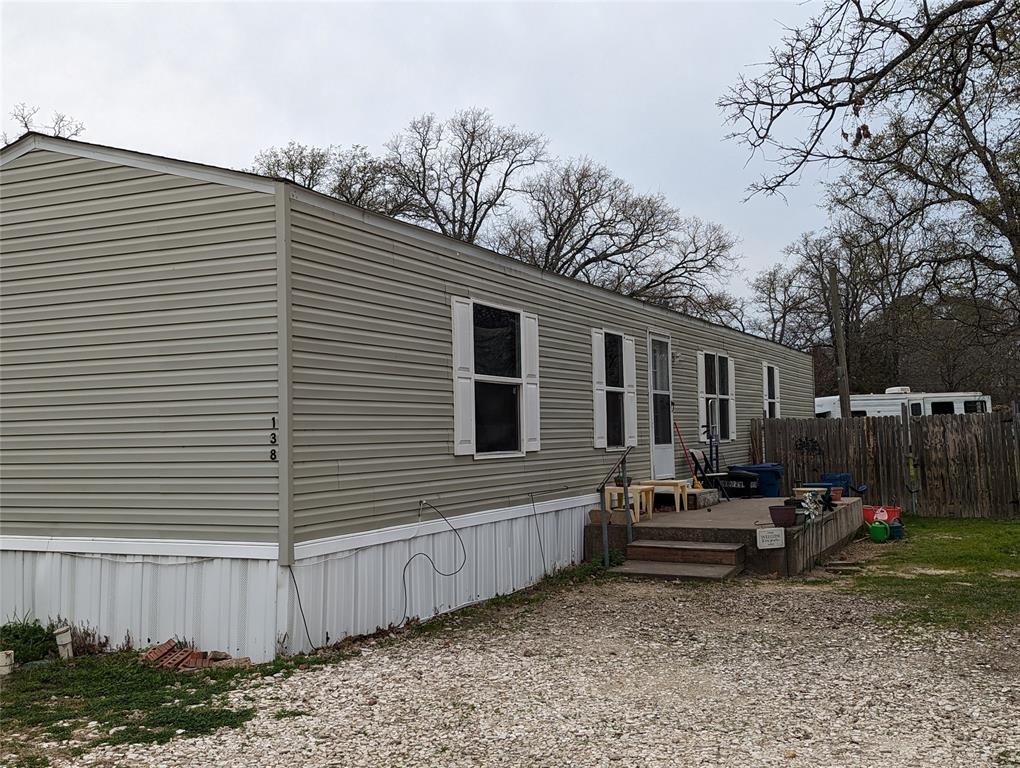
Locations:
column 632, row 86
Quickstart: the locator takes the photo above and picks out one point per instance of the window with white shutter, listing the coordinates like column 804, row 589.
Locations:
column 614, row 389
column 770, row 391
column 717, row 405
column 496, row 380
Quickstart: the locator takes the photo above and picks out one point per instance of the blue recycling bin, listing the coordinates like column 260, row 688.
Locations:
column 770, row 476
column 838, row 479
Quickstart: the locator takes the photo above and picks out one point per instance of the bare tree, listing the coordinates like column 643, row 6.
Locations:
column 780, row 303
column 920, row 98
column 582, row 221
column 351, row 175
column 855, row 60
column 61, row 125
column 306, row 165
column 460, row 173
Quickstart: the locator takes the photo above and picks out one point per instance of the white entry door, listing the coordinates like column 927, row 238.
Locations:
column 660, row 407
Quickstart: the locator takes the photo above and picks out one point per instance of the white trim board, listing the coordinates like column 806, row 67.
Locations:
column 247, row 550
column 349, row 541
column 269, row 550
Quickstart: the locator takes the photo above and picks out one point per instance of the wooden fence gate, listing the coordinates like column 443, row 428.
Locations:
column 957, row 466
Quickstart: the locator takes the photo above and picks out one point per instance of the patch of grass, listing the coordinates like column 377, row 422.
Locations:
column 283, row 714
column 55, row 702
column 959, row 574
column 29, row 640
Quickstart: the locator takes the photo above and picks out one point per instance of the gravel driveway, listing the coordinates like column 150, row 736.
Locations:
column 753, row 673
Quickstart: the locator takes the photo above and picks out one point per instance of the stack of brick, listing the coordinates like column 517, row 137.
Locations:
column 172, row 654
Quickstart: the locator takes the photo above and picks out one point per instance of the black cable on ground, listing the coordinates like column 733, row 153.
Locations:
column 427, row 556
column 301, row 608
column 538, row 532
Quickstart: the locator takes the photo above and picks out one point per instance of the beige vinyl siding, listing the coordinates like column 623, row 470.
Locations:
column 373, row 386
column 139, row 353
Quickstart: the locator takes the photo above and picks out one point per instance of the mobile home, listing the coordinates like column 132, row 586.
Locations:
column 918, row 403
column 227, row 398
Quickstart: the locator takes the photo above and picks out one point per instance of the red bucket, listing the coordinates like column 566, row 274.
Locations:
column 884, row 514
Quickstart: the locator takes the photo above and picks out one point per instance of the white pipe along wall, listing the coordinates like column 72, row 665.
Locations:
column 247, row 605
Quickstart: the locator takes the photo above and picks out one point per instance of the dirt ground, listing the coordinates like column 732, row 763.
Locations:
column 629, row 673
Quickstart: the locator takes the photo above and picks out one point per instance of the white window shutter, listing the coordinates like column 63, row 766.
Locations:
column 598, row 382
column 463, row 379
column 765, row 390
column 532, row 409
column 629, row 392
column 733, row 400
column 702, row 412
column 775, row 377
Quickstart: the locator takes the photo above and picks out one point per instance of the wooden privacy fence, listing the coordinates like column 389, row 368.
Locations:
column 958, row 466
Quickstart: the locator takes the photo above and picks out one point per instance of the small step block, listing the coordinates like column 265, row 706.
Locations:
column 666, row 550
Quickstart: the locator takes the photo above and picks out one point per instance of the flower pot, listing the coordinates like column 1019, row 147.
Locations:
column 783, row 516
column 837, row 492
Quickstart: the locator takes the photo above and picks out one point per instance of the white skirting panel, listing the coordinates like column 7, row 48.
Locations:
column 221, row 603
column 248, row 606
column 358, row 591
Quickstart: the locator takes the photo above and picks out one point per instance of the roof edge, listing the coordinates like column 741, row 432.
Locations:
column 218, row 175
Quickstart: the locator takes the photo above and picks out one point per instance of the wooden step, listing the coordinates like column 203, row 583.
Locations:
column 686, row 571
column 708, row 552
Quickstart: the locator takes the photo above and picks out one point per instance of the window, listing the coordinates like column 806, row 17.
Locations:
column 974, row 406
column 496, row 407
column 497, row 348
column 716, row 402
column 614, row 388
column 942, row 408
column 858, row 414
column 770, row 391
column 915, row 409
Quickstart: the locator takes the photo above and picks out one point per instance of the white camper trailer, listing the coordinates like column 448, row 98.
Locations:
column 918, row 403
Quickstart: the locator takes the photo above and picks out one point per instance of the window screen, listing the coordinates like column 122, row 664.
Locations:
column 724, row 419
column 497, row 342
column 973, row 406
column 614, row 419
column 614, row 360
column 660, row 365
column 724, row 375
column 663, row 419
column 497, row 417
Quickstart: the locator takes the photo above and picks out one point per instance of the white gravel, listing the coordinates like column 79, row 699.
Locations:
column 623, row 673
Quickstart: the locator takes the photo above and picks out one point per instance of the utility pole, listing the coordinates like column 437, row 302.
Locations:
column 842, row 377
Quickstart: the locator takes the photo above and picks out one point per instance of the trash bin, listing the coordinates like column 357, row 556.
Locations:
column 741, row 483
column 838, row 478
column 770, row 476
